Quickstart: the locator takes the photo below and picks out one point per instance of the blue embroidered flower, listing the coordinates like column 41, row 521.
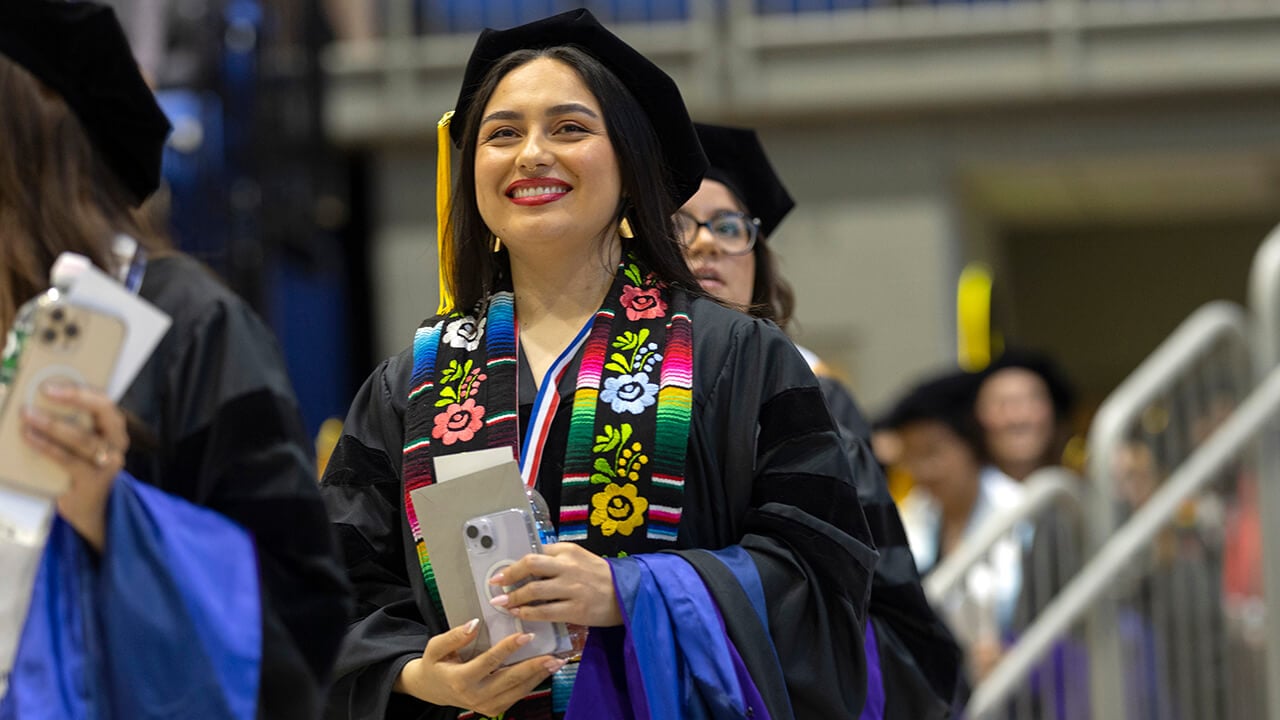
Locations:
column 629, row 393
column 651, row 361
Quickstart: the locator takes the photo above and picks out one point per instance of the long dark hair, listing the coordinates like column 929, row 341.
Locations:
column 56, row 192
column 771, row 295
column 476, row 271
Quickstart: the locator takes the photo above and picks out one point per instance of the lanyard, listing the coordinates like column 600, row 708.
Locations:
column 544, row 408
column 133, row 261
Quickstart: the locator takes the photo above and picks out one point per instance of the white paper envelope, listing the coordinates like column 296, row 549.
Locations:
column 145, row 324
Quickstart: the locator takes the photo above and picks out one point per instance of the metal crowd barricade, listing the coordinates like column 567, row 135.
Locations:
column 1149, row 684
column 1261, row 619
column 1165, row 613
column 1175, row 613
column 1142, row 631
column 1048, row 488
column 1046, row 527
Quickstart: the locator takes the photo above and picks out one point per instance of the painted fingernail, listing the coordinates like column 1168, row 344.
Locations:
column 471, row 626
column 500, row 601
column 35, row 416
column 524, row 639
column 553, row 665
column 496, row 579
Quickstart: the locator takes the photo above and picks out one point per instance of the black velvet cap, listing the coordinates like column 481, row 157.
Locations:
column 737, row 159
column 941, row 397
column 947, row 398
column 653, row 89
column 79, row 51
column 1060, row 389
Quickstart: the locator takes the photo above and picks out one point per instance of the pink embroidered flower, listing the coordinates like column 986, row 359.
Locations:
column 643, row 304
column 459, row 422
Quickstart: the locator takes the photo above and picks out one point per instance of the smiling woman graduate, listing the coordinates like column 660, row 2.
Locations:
column 711, row 536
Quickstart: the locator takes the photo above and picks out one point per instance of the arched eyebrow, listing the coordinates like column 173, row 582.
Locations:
column 502, row 115
column 562, row 109
column 566, row 108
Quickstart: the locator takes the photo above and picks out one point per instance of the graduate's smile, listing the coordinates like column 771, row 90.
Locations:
column 537, row 191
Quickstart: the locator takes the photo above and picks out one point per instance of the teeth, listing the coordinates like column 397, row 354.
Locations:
column 525, row 192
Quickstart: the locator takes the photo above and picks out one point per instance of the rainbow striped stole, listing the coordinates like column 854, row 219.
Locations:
column 623, row 483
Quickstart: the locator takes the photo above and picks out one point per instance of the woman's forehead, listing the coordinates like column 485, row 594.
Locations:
column 540, row 84
column 714, row 195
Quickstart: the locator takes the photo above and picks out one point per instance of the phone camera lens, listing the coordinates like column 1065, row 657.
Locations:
column 50, row 336
column 472, row 531
column 71, row 330
column 486, row 542
column 57, row 315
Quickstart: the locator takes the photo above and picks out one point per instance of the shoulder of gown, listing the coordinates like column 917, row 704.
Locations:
column 229, row 437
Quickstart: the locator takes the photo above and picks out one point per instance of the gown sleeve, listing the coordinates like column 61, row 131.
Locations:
column 920, row 662
column 919, row 659
column 232, row 440
column 364, row 493
column 793, row 508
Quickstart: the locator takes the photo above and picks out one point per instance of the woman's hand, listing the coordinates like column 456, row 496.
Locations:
column 92, row 453
column 567, row 583
column 481, row 684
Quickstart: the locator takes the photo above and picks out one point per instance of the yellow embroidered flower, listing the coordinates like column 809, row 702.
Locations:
column 618, row 509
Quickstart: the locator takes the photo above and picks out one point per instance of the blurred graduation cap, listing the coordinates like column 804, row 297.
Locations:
column 653, row 89
column 947, row 398
column 1060, row 389
column 79, row 51
column 738, row 161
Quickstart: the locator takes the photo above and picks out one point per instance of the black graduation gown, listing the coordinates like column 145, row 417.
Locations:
column 765, row 469
column 919, row 659
column 220, row 428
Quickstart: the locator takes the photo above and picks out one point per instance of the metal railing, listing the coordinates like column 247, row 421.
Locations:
column 1045, row 489
column 1179, row 455
column 1205, row 359
column 1144, row 430
column 1095, row 585
column 1264, row 306
column 737, row 61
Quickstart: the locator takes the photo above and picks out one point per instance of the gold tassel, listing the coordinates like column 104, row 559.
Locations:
column 444, row 185
column 624, row 229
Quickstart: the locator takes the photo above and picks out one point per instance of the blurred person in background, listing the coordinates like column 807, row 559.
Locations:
column 955, row 490
column 1024, row 403
column 1172, row 596
column 191, row 568
column 726, row 229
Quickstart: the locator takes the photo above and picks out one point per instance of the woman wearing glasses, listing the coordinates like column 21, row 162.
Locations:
column 724, row 228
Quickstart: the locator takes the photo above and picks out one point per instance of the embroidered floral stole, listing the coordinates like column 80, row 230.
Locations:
column 628, row 436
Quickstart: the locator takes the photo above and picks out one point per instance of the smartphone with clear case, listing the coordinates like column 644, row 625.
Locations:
column 67, row 344
column 493, row 542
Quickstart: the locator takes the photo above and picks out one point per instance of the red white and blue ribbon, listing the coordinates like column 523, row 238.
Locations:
column 544, row 408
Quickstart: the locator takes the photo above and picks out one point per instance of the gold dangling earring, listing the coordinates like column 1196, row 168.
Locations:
column 624, row 229
column 497, row 243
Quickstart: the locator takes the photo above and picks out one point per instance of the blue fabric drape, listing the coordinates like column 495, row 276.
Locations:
column 166, row 623
column 670, row 659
